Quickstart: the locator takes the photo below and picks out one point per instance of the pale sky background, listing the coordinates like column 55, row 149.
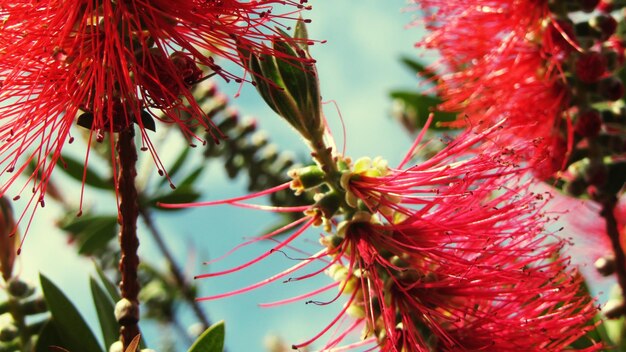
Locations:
column 358, row 66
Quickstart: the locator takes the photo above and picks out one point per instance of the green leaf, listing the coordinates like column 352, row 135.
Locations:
column 180, row 161
column 92, row 233
column 48, row 337
column 75, row 169
column 211, row 340
column 418, row 68
column 192, row 177
column 416, row 108
column 70, row 325
column 104, row 307
column 179, row 195
column 147, row 121
column 108, row 285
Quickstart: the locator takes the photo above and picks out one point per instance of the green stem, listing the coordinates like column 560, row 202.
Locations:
column 20, row 323
column 129, row 243
column 323, row 155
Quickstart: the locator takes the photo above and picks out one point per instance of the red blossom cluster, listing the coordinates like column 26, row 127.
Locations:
column 449, row 254
column 107, row 65
column 534, row 64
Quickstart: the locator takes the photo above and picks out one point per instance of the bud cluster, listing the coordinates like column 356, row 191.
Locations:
column 592, row 60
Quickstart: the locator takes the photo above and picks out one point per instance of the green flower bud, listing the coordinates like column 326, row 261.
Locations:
column 288, row 83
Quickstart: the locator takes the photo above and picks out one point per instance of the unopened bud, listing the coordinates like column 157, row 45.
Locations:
column 126, row 312
column 605, row 265
column 588, row 123
column 289, row 84
column 612, row 88
column 117, row 346
column 306, row 178
column 614, row 309
column 591, row 67
column 356, row 311
column 329, row 204
column 18, row 288
column 8, row 332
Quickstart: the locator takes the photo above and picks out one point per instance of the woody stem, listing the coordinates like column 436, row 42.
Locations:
column 127, row 310
column 608, row 213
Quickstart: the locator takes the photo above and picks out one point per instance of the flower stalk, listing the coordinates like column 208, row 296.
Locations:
column 612, row 230
column 127, row 310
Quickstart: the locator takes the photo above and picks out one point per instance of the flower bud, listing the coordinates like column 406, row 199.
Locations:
column 126, row 312
column 612, row 88
column 289, row 83
column 588, row 123
column 8, row 331
column 329, row 204
column 614, row 309
column 18, row 288
column 306, row 178
column 117, row 346
column 605, row 25
column 605, row 265
column 591, row 67
column 356, row 311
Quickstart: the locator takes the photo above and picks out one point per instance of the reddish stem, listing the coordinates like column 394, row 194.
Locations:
column 127, row 218
column 608, row 213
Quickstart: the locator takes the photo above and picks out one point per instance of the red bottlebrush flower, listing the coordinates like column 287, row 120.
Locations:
column 108, row 65
column 459, row 270
column 446, row 255
column 502, row 61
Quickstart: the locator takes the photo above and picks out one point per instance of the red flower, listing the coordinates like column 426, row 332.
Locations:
column 500, row 62
column 446, row 255
column 460, row 271
column 108, row 65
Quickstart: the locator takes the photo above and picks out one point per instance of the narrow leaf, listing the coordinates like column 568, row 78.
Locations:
column 75, row 169
column 179, row 195
column 92, row 233
column 108, row 285
column 418, row 106
column 48, row 337
column 418, row 68
column 71, row 327
column 180, row 161
column 104, row 308
column 211, row 340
